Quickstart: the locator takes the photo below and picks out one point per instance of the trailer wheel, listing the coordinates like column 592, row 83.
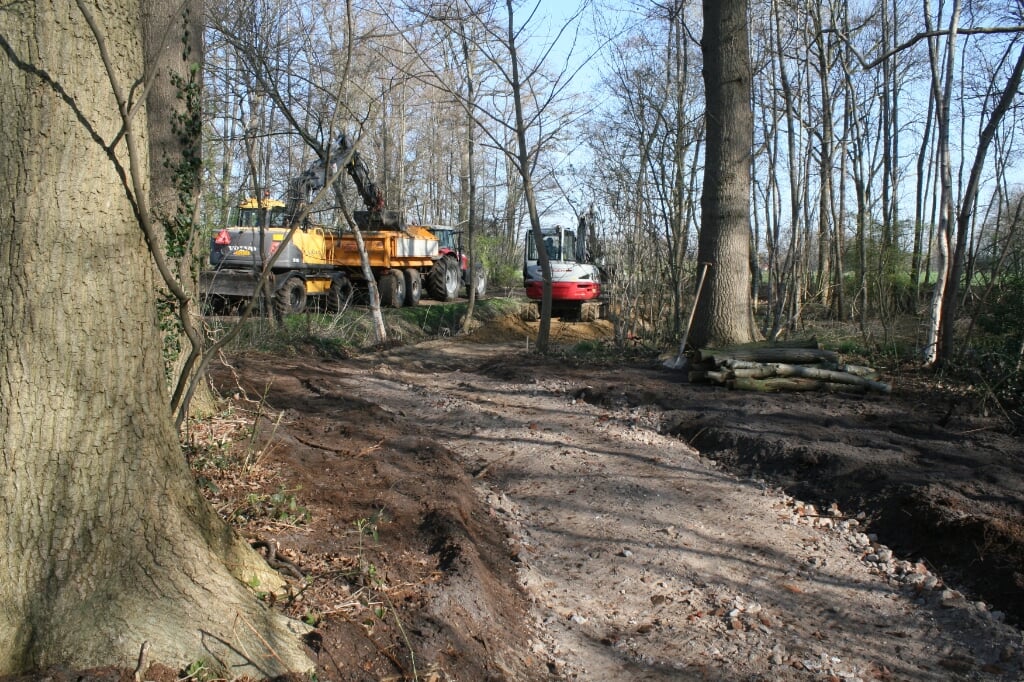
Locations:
column 444, row 279
column 413, row 286
column 291, row 297
column 339, row 295
column 391, row 288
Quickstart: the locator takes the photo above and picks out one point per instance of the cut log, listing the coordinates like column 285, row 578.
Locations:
column 783, row 370
column 859, row 370
column 769, row 370
column 776, row 384
column 787, row 355
column 733, row 363
column 794, row 343
column 719, row 377
column 758, row 371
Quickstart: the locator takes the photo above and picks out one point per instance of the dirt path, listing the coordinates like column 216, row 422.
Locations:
column 638, row 558
column 645, row 561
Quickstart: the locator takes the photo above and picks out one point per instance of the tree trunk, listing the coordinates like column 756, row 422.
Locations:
column 950, row 297
column 523, row 166
column 724, row 312
column 107, row 542
column 469, row 195
column 942, row 94
column 173, row 45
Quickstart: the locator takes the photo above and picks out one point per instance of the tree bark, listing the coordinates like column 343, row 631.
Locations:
column 724, row 313
column 768, row 354
column 523, row 165
column 107, row 542
column 173, row 47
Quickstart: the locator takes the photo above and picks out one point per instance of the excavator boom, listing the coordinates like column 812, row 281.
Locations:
column 320, row 172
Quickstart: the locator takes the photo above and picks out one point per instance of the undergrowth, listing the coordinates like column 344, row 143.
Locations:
column 226, row 454
column 351, row 330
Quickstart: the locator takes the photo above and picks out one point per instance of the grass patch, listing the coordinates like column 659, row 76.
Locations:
column 341, row 334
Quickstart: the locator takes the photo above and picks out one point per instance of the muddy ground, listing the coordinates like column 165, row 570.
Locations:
column 463, row 509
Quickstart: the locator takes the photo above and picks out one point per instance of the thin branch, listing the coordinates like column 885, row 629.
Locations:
column 923, row 35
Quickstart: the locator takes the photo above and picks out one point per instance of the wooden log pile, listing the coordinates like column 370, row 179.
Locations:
column 799, row 366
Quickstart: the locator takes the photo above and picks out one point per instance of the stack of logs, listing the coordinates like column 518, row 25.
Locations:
column 795, row 366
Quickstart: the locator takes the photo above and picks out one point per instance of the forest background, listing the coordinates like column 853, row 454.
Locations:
column 865, row 114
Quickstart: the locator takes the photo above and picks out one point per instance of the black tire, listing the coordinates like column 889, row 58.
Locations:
column 413, row 286
column 291, row 297
column 481, row 282
column 339, row 295
column 392, row 289
column 444, row 280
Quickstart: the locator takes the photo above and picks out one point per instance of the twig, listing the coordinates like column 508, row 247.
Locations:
column 367, row 450
column 143, row 653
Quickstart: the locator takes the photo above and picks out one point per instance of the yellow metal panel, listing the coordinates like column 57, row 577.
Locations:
column 317, row 286
column 265, row 203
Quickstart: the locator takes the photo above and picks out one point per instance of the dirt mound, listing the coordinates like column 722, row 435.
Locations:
column 513, row 328
column 406, row 576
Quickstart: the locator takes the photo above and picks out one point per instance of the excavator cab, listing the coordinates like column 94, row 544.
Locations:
column 560, row 244
column 265, row 213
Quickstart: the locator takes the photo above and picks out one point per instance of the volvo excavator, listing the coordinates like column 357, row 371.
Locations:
column 321, row 264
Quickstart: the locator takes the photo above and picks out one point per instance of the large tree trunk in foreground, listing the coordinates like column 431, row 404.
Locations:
column 723, row 315
column 106, row 541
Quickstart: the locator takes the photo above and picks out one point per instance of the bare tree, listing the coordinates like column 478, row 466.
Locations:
column 535, row 124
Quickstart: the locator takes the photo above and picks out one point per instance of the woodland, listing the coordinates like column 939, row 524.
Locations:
column 856, row 163
column 885, row 173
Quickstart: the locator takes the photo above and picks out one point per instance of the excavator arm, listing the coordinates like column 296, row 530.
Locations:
column 321, row 171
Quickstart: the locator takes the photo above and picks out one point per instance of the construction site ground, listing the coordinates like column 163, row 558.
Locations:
column 464, row 509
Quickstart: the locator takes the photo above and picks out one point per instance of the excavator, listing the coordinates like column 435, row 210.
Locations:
column 576, row 279
column 319, row 264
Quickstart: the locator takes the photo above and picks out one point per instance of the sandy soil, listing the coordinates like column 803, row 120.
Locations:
column 464, row 510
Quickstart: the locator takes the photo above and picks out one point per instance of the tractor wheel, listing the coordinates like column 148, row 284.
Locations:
column 339, row 295
column 291, row 297
column 480, row 275
column 444, row 279
column 413, row 286
column 392, row 289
